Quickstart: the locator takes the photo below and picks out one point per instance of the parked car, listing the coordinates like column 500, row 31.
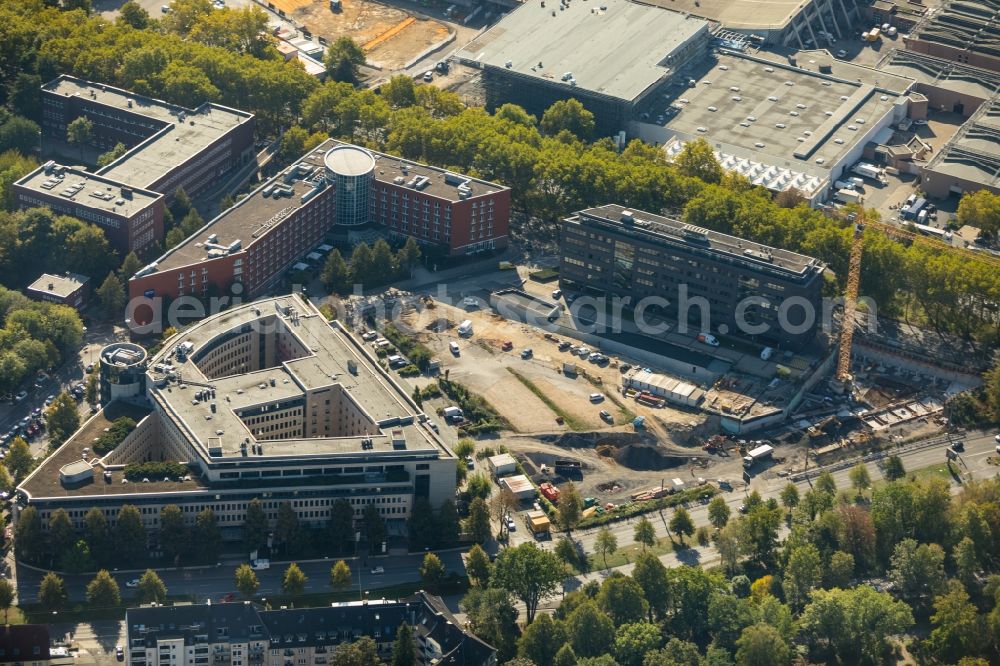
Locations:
column 21, row 395
column 453, row 346
column 708, row 339
column 49, row 400
column 606, row 416
column 507, row 345
column 377, row 571
column 557, row 294
column 597, row 397
column 119, row 653
column 132, row 583
column 428, row 76
column 624, row 367
column 563, row 346
column 841, row 53
column 526, row 353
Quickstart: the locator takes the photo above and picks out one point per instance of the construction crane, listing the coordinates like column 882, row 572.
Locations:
column 842, row 377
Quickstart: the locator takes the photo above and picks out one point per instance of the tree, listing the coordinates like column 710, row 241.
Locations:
column 541, row 640
column 790, row 496
column 130, row 266
column 570, row 506
column 173, row 533
column 917, row 569
column 52, row 591
column 340, row 576
column 400, row 91
column 697, row 159
column 651, row 575
column 134, row 15
column 622, row 599
column 493, row 617
column 336, row 276
column 502, row 503
column 79, row 132
column 681, row 523
column 478, row 485
column 343, row 59
column 97, row 535
column 92, row 389
column 478, row 522
column 894, row 469
column 102, row 591
column 62, row 419
column 287, row 528
column 564, row 656
column 19, row 460
column 477, row 566
column 840, row 570
column 825, row 484
column 293, row 143
column 246, row 580
column 967, row 562
column 111, row 295
column 861, row 480
column 718, row 512
column 645, row 533
column 7, row 595
column 207, row 535
column 958, row 628
column 19, row 134
column 432, row 571
column 802, row 573
column 529, row 573
column 853, row 624
column 605, row 543
column 255, row 526
column 690, row 591
column 980, row 209
column 634, row 641
column 294, row 581
column 104, row 159
column 757, row 532
column 151, row 588
column 762, row 645
column 589, row 630
column 409, row 254
column 447, row 523
column 340, row 529
column 28, row 538
column 567, row 551
column 374, row 528
column 568, row 115
column 728, row 541
column 130, row 535
column 62, row 536
column 404, row 648
column 362, row 652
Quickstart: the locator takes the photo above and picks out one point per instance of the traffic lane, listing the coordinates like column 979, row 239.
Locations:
column 216, row 582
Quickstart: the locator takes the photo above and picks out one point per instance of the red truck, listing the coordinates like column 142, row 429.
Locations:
column 549, row 492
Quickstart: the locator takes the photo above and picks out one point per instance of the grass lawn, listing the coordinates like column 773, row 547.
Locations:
column 629, row 553
column 939, row 470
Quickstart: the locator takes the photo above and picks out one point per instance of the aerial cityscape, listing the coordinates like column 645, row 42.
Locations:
column 486, row 332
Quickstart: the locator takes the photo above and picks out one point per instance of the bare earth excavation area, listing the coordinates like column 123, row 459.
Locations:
column 390, row 36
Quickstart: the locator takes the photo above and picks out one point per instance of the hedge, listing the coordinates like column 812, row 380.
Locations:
column 155, row 471
column 115, row 435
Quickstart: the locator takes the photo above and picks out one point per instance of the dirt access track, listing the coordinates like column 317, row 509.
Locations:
column 390, row 36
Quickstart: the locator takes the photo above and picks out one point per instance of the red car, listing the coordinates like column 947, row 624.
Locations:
column 228, row 598
column 507, row 346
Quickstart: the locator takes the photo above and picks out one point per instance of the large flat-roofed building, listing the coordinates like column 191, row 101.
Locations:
column 615, row 252
column 949, row 86
column 781, row 126
column 610, row 56
column 336, row 187
column 966, row 31
column 131, row 217
column 264, row 400
column 169, row 146
column 970, row 161
column 243, row 634
column 782, row 22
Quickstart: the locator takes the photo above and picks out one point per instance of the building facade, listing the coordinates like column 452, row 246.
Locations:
column 243, row 634
column 709, row 280
column 24, row 645
column 266, row 400
column 336, row 189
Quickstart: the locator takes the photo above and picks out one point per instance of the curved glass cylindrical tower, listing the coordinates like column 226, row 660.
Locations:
column 352, row 171
column 123, row 371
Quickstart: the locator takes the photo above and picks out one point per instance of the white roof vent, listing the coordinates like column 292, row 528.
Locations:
column 828, row 113
column 723, row 67
column 752, row 119
column 838, row 141
column 843, row 98
column 713, row 108
column 702, row 129
column 780, row 125
column 820, row 160
column 793, row 113
column 707, row 82
column 860, row 121
column 884, row 98
column 683, row 100
column 758, row 145
column 789, row 83
column 769, row 69
column 737, row 98
column 800, row 106
column 772, row 98
column 853, row 128
column 734, row 88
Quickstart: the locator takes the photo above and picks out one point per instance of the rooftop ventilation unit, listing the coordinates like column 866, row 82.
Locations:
column 759, row 254
column 627, row 216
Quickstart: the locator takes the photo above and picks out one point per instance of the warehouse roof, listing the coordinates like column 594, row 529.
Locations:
column 794, row 115
column 970, row 25
column 974, row 152
column 617, row 48
column 942, row 73
column 739, row 14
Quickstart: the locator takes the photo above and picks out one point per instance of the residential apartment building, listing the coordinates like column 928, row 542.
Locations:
column 266, row 400
column 243, row 634
column 615, row 252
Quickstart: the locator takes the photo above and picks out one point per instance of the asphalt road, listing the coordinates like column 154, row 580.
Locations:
column 978, row 447
column 215, row 582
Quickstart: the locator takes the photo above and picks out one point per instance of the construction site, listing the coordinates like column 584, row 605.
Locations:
column 390, row 36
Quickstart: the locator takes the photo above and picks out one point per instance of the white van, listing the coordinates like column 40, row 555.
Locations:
column 766, row 353
column 465, row 328
column 453, row 346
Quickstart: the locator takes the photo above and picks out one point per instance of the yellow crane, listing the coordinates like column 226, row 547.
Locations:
column 843, row 375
